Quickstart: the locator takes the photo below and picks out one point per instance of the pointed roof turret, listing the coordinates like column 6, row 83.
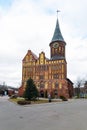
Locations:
column 57, row 33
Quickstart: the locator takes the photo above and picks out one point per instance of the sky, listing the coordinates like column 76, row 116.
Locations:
column 29, row 25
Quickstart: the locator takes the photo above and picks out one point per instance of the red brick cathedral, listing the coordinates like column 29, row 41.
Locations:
column 49, row 75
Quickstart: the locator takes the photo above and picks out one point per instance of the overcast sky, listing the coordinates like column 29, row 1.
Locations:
column 30, row 24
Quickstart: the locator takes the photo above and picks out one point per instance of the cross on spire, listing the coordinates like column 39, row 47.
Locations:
column 57, row 12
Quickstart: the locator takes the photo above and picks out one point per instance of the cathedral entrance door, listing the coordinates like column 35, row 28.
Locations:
column 41, row 93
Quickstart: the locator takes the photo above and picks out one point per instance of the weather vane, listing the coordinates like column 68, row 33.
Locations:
column 57, row 12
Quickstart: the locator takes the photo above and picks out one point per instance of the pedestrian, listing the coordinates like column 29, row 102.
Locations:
column 49, row 98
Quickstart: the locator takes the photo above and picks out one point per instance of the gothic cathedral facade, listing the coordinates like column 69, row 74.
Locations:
column 49, row 75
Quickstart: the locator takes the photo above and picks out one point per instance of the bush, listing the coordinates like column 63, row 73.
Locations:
column 23, row 102
column 63, row 98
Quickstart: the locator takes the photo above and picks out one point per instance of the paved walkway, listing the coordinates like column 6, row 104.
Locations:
column 71, row 115
column 4, row 97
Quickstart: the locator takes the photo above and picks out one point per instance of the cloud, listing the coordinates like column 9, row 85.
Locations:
column 30, row 24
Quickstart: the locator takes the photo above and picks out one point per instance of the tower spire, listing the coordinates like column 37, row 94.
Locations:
column 57, row 32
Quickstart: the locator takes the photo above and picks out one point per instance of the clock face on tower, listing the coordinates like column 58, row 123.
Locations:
column 55, row 45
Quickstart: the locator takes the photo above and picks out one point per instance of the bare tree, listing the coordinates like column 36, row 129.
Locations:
column 79, row 83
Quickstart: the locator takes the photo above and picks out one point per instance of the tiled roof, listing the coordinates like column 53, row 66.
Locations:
column 57, row 57
column 57, row 34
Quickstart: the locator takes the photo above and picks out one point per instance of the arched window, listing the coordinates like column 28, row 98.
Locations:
column 42, row 84
column 56, row 85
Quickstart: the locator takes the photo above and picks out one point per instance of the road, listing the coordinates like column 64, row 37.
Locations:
column 71, row 115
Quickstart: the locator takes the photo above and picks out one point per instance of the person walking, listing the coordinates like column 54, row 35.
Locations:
column 49, row 97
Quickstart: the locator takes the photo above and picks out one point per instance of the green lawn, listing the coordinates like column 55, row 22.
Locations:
column 39, row 101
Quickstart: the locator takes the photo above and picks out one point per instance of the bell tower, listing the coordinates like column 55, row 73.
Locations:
column 57, row 44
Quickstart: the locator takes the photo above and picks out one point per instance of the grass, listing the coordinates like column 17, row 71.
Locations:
column 32, row 102
column 39, row 101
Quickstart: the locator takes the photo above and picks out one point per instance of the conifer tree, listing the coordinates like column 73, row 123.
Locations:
column 31, row 92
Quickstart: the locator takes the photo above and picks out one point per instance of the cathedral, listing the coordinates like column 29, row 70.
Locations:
column 49, row 74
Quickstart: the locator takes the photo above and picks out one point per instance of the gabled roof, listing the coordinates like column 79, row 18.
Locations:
column 57, row 34
column 34, row 55
column 30, row 53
